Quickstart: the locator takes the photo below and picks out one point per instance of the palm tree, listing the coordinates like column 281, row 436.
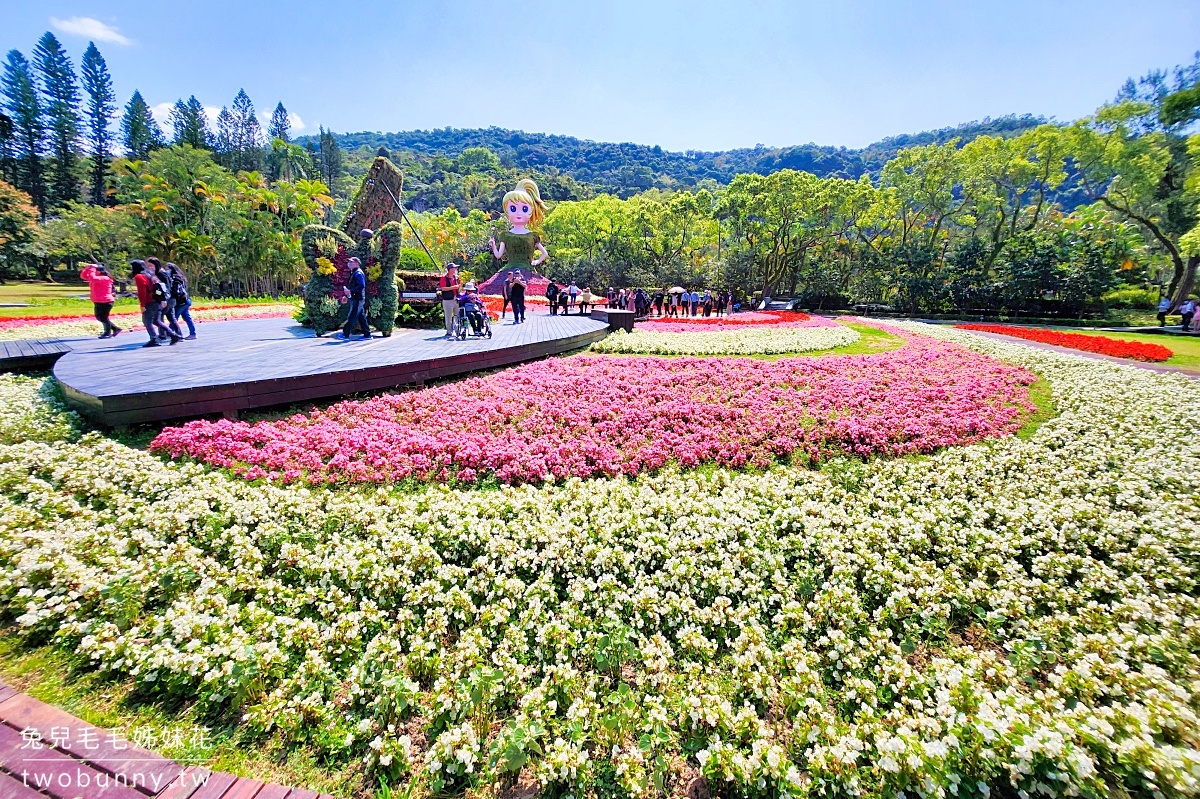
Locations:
column 288, row 161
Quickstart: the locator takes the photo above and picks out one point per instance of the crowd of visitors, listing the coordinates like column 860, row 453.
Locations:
column 674, row 302
column 162, row 292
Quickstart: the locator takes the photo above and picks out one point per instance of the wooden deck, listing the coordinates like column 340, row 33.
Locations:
column 46, row 752
column 30, row 354
column 256, row 363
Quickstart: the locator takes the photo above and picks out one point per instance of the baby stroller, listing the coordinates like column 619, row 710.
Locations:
column 461, row 326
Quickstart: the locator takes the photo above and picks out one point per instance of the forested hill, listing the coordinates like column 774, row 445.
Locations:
column 627, row 168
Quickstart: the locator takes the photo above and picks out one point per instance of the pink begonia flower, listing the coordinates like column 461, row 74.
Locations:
column 592, row 416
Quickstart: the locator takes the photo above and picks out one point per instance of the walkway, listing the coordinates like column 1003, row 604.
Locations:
column 46, row 752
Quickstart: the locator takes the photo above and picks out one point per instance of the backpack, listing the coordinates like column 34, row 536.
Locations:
column 158, row 292
column 179, row 291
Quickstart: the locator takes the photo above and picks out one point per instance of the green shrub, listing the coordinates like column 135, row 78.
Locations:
column 1131, row 297
column 420, row 316
column 416, row 260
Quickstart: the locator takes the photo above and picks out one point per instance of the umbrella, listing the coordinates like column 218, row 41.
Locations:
column 677, row 290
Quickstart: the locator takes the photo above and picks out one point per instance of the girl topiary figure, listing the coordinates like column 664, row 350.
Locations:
column 524, row 208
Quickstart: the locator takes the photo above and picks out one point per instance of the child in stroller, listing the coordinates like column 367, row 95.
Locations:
column 471, row 312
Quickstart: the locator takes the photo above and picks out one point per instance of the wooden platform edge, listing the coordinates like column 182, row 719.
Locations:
column 235, row 397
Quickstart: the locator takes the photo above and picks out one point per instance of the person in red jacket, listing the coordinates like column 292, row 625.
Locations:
column 153, row 298
column 100, row 289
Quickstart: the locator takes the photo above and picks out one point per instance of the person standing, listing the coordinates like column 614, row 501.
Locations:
column 183, row 301
column 516, row 293
column 552, row 296
column 708, row 302
column 659, row 295
column 448, row 289
column 694, row 301
column 1164, row 305
column 356, row 292
column 100, row 289
column 152, row 298
column 572, row 294
column 1187, row 311
column 505, row 291
column 168, row 283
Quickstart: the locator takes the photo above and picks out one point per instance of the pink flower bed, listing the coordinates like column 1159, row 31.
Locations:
column 594, row 416
column 747, row 320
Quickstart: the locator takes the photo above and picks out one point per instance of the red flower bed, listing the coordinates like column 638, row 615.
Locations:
column 8, row 323
column 1118, row 348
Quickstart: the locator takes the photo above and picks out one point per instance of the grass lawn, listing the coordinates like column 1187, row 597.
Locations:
column 179, row 733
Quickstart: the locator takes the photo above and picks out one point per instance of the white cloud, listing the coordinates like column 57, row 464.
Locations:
column 297, row 123
column 89, row 28
column 162, row 114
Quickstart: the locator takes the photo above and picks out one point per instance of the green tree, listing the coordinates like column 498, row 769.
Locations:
column 61, row 110
column 173, row 198
column 1142, row 177
column 280, row 124
column 18, row 229
column 247, row 135
column 287, row 161
column 189, row 124
column 140, row 132
column 91, row 233
column 21, row 100
column 101, row 106
column 8, row 163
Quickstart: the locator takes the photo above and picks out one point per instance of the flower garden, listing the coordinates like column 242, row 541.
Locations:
column 764, row 333
column 617, row 575
column 85, row 325
column 1117, row 348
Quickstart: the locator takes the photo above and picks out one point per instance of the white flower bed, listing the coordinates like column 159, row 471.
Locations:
column 750, row 340
column 1017, row 616
column 767, row 340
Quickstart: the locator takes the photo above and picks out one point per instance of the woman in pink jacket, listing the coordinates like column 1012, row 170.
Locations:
column 100, row 288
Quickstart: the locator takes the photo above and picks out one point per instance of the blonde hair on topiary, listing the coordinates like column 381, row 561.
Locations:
column 527, row 192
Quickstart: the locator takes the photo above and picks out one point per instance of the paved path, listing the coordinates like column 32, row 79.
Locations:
column 46, row 752
column 1161, row 368
column 255, row 363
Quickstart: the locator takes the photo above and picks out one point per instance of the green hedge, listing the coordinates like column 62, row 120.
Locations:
column 416, row 260
column 1131, row 297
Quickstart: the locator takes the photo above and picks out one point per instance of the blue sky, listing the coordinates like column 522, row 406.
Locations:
column 684, row 75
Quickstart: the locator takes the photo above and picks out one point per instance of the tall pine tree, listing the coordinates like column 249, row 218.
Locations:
column 226, row 139
column 247, row 134
column 331, row 158
column 101, row 107
column 61, row 110
column 8, row 161
column 280, row 125
column 191, row 124
column 21, row 100
column 138, row 128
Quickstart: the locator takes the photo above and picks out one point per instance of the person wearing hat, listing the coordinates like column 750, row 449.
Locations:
column 472, row 305
column 356, row 292
column 448, row 288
